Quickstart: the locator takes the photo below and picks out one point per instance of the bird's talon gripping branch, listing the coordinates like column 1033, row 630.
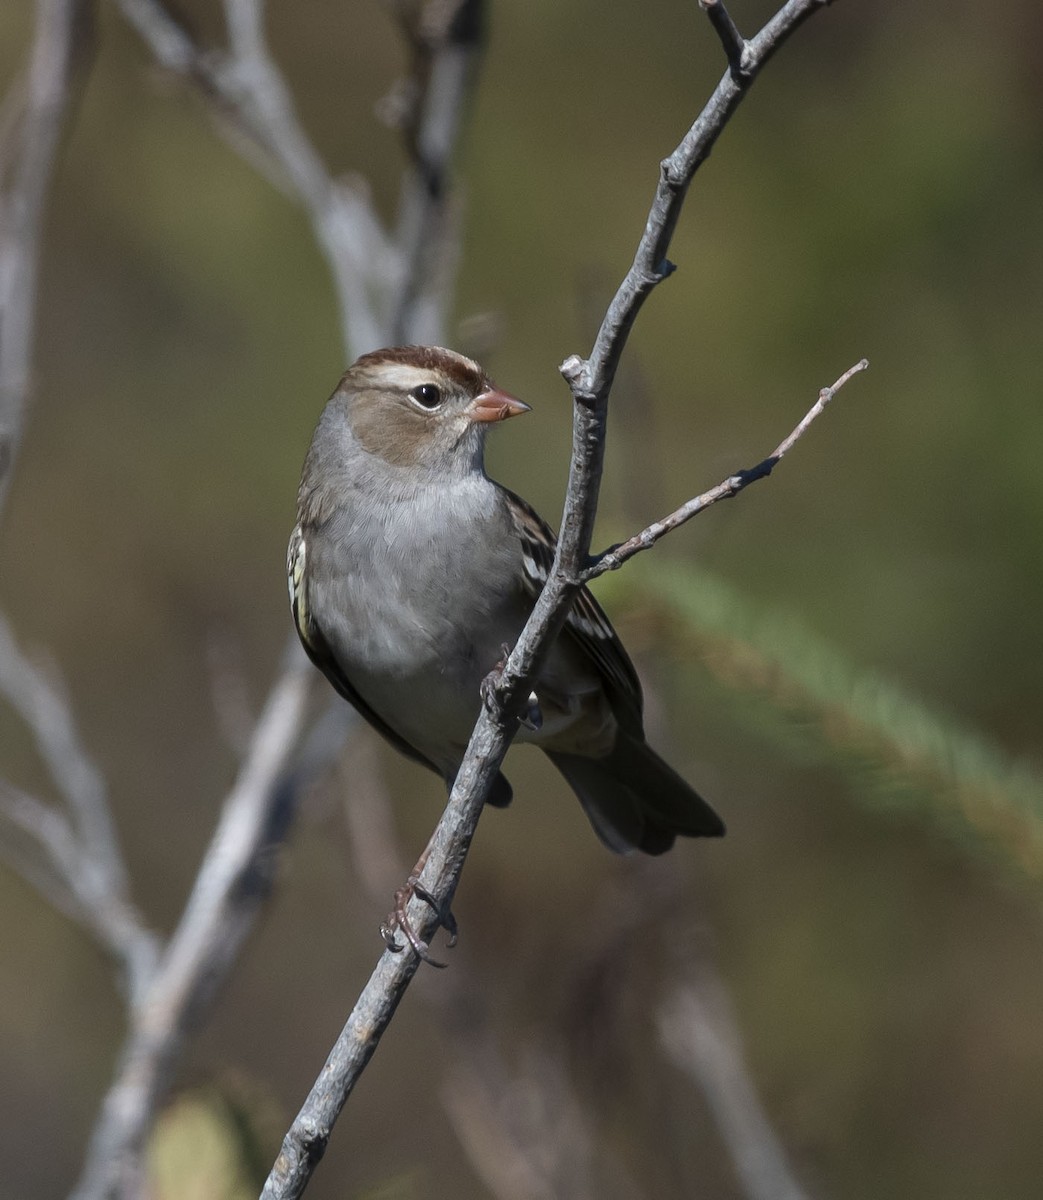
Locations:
column 489, row 688
column 387, row 932
column 398, row 919
column 445, row 915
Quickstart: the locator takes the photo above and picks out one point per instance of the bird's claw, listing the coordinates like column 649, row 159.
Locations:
column 398, row 919
column 531, row 715
column 488, row 687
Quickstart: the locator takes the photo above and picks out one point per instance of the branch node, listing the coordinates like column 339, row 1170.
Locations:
column 576, row 372
column 671, row 174
column 665, row 268
column 736, row 47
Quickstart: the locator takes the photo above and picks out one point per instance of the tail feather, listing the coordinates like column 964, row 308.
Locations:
column 635, row 800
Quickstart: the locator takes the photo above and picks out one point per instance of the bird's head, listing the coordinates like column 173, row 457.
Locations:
column 422, row 408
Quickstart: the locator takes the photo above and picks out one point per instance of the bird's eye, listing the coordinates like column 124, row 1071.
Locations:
column 427, row 395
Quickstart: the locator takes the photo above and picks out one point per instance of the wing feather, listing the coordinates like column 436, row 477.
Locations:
column 587, row 625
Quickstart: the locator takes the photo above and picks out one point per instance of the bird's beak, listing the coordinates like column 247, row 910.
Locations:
column 495, row 405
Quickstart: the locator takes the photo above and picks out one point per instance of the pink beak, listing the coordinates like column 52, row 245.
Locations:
column 495, row 405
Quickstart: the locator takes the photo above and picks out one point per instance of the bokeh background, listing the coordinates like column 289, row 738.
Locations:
column 875, row 922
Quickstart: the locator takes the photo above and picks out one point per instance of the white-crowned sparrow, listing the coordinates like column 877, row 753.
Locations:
column 410, row 570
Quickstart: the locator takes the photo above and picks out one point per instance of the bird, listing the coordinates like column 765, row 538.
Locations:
column 410, row 571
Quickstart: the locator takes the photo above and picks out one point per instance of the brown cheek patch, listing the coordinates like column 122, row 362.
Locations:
column 396, row 441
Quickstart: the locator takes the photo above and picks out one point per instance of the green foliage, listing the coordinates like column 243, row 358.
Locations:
column 900, row 754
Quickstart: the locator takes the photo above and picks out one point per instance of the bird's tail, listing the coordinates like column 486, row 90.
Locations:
column 635, row 800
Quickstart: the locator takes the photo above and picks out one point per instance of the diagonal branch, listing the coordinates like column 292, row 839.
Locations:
column 590, row 380
column 253, row 102
column 613, row 559
column 230, row 888
column 736, row 48
column 700, row 1036
column 386, row 285
column 85, row 863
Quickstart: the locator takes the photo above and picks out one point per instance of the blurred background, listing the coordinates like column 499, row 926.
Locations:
column 845, row 660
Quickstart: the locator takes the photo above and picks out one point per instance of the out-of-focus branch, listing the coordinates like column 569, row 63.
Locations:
column 590, row 381
column 700, row 1036
column 613, row 559
column 231, row 885
column 82, row 869
column 389, row 288
column 35, row 111
column 447, row 41
column 524, row 1131
column 254, row 102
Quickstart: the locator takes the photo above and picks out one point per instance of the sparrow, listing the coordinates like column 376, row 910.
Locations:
column 410, row 570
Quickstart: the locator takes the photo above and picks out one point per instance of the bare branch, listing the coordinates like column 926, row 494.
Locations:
column 613, row 559
column 524, row 1132
column 85, row 875
column 388, row 289
column 700, row 1036
column 49, row 717
column 426, row 239
column 306, row 1140
column 82, row 848
column 26, row 162
column 590, row 379
column 252, row 98
column 233, row 882
column 44, row 830
column 735, row 45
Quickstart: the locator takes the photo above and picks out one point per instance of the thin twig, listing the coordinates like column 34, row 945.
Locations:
column 306, row 1140
column 735, row 45
column 700, row 1036
column 26, row 163
column 80, row 843
column 443, row 77
column 38, row 841
column 613, row 559
column 524, row 1130
column 48, row 714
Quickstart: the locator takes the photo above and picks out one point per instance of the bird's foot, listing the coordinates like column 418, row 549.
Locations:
column 398, row 919
column 531, row 715
column 489, row 687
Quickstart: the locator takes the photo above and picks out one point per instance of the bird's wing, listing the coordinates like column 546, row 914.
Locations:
column 318, row 649
column 586, row 625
